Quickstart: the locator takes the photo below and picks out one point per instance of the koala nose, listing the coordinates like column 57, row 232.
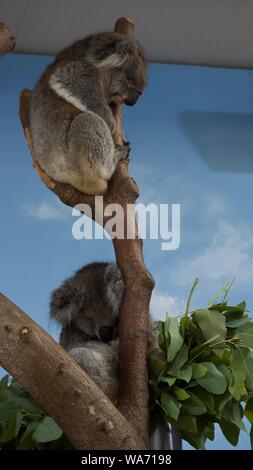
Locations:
column 106, row 333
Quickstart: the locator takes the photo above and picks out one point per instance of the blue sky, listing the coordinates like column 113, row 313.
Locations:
column 191, row 137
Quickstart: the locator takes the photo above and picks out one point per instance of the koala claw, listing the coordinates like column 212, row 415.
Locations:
column 122, row 152
column 127, row 145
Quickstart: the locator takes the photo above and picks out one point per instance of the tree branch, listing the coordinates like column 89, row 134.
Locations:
column 133, row 328
column 7, row 40
column 63, row 389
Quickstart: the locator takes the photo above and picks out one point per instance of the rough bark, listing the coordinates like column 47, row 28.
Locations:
column 66, row 392
column 133, row 328
column 7, row 40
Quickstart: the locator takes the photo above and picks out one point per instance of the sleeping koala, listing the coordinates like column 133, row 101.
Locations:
column 71, row 116
column 87, row 306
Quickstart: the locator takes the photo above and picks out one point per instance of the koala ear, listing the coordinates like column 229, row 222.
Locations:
column 114, row 54
column 112, row 61
column 65, row 303
column 114, row 287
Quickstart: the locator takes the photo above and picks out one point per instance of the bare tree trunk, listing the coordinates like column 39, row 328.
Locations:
column 7, row 40
column 133, row 328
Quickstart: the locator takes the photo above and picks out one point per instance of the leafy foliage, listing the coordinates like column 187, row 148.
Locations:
column 203, row 372
column 23, row 423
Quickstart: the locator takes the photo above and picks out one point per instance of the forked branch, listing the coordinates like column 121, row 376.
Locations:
column 61, row 387
column 133, row 328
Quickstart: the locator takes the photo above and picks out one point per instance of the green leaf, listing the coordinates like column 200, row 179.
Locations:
column 207, row 345
column 169, row 380
column 19, row 420
column 161, row 336
column 230, row 431
column 247, row 338
column 184, row 325
column 180, row 359
column 27, row 442
column 199, row 370
column 193, row 383
column 7, row 411
column 246, row 327
column 237, row 322
column 196, row 440
column 249, row 410
column 220, row 307
column 187, row 422
column 214, row 381
column 12, row 430
column 184, row 374
column 170, row 405
column 233, row 312
column 233, row 413
column 242, row 359
column 173, row 337
column 206, row 398
column 221, row 401
column 18, row 389
column 47, row 431
column 196, row 333
column 194, row 405
column 226, row 372
column 237, row 388
column 206, row 427
column 181, row 394
column 211, row 323
column 3, row 396
column 210, row 430
column 226, row 358
column 27, row 404
column 4, row 382
column 156, row 365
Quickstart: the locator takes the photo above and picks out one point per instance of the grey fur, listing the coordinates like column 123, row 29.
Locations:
column 71, row 119
column 84, row 304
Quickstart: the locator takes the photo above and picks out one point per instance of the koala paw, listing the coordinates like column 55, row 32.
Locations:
column 122, row 152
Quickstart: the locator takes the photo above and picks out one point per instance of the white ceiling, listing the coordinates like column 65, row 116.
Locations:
column 208, row 32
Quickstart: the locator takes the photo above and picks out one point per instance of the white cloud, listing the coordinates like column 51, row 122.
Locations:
column 214, row 204
column 229, row 255
column 162, row 303
column 194, row 196
column 141, row 170
column 45, row 211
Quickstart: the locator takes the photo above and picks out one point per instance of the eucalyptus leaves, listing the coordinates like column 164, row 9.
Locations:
column 23, row 424
column 203, row 373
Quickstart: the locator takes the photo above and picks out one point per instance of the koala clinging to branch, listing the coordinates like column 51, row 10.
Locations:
column 87, row 306
column 71, row 118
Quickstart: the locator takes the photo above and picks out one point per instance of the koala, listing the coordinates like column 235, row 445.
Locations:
column 71, row 118
column 87, row 306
